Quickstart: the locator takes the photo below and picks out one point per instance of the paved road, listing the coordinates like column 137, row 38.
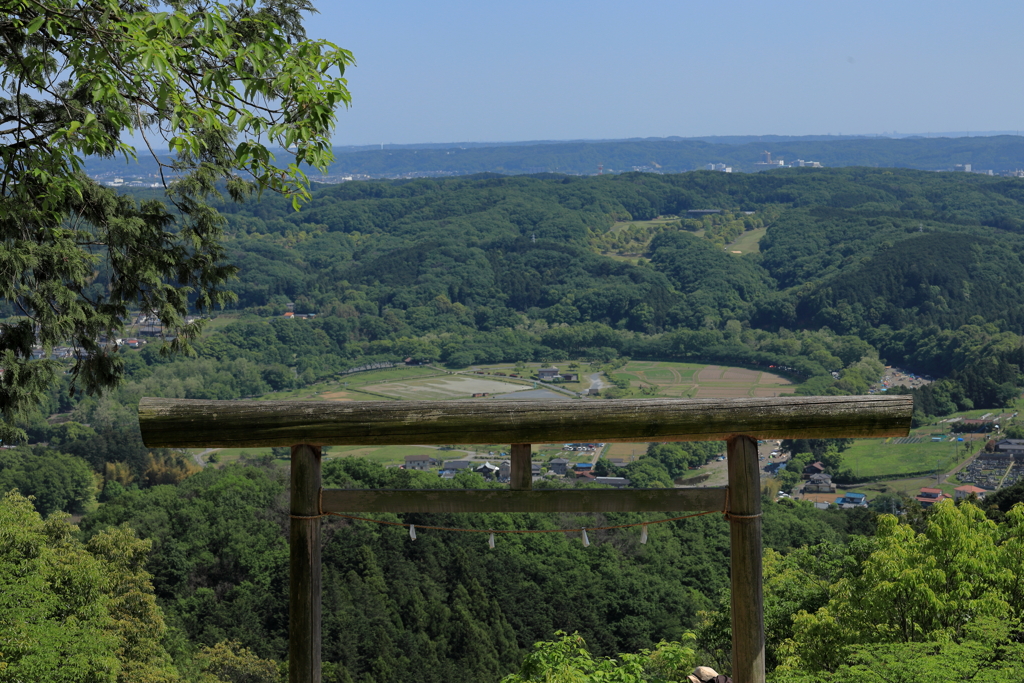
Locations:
column 198, row 457
column 596, row 382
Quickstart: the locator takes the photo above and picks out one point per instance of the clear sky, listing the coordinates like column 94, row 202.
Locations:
column 490, row 70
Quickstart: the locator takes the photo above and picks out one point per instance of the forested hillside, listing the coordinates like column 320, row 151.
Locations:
column 923, row 269
column 839, row 272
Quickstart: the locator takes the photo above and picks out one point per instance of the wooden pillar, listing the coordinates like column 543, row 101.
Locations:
column 304, row 585
column 521, row 477
column 745, row 537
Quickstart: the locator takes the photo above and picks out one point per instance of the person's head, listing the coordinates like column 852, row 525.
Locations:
column 702, row 674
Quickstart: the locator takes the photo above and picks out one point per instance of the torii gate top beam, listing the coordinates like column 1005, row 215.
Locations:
column 187, row 423
column 307, row 425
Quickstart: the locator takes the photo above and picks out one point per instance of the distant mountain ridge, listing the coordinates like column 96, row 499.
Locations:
column 1000, row 153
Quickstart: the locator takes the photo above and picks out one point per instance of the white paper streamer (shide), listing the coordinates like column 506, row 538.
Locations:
column 643, row 534
column 490, row 541
column 412, row 531
column 586, row 541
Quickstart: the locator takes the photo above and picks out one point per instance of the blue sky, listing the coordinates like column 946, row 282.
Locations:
column 487, row 70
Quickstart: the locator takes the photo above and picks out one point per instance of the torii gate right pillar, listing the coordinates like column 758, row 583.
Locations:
column 745, row 540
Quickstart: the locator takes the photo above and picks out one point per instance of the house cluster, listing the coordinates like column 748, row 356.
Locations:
column 820, row 481
column 289, row 312
column 553, row 374
column 585, row 448
column 57, row 353
column 502, row 472
column 928, row 497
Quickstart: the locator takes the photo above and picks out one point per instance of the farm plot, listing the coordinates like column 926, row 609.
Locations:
column 690, row 380
column 443, row 387
column 877, row 458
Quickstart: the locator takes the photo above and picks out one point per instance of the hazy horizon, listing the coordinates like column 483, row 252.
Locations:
column 455, row 70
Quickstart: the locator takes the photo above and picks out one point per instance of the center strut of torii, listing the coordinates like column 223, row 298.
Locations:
column 306, row 426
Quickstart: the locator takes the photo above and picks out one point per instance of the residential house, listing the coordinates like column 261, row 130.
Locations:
column 488, row 470
column 583, row 467
column 965, row 491
column 852, row 500
column 547, row 373
column 420, row 462
column 456, row 466
column 558, row 465
column 928, row 497
column 1011, row 446
column 570, row 377
column 820, row 483
column 813, row 468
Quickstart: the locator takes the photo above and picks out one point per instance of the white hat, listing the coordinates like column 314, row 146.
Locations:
column 702, row 674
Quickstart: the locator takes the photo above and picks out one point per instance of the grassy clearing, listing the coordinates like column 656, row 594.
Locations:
column 749, row 242
column 222, row 320
column 445, row 387
column 627, row 451
column 882, row 457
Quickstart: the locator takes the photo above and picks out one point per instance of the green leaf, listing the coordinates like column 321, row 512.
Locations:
column 35, row 24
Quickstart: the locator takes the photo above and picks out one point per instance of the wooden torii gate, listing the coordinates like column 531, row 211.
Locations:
column 306, row 426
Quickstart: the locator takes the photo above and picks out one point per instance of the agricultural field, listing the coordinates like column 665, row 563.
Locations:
column 748, row 243
column 690, row 380
column 896, row 456
column 443, row 387
column 626, row 451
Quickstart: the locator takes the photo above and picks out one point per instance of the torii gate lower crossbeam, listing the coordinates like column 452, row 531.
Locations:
column 312, row 424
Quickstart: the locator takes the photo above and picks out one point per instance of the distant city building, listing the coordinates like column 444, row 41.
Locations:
column 767, row 163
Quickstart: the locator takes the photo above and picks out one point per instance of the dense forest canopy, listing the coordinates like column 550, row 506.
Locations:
column 855, row 267
column 924, row 268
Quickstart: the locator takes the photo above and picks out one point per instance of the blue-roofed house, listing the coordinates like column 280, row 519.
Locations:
column 852, row 500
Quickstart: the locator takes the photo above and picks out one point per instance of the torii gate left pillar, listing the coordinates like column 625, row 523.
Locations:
column 304, row 589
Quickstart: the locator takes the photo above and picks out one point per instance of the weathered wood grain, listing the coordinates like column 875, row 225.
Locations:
column 521, row 475
column 226, row 424
column 491, row 500
column 304, row 586
column 745, row 574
